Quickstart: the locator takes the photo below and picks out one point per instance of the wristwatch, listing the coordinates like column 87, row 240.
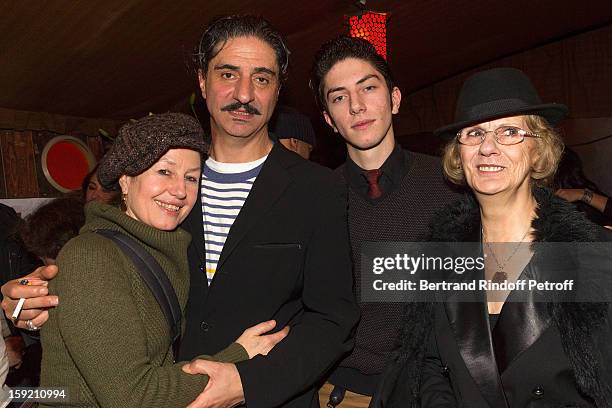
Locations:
column 587, row 196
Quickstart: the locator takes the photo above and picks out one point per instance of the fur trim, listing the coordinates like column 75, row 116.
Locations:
column 458, row 222
column 578, row 324
column 559, row 221
column 412, row 350
column 399, row 385
column 556, row 221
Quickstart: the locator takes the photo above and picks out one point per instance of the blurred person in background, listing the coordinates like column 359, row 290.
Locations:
column 44, row 232
column 572, row 185
column 15, row 260
column 49, row 227
column 93, row 190
column 294, row 130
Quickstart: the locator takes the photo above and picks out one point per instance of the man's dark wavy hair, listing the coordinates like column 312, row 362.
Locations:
column 339, row 49
column 222, row 29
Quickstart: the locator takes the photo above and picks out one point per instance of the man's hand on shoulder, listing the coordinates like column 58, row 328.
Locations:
column 224, row 388
column 36, row 297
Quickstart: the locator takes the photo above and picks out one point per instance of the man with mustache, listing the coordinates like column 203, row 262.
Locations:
column 269, row 236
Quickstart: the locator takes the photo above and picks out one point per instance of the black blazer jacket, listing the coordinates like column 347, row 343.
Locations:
column 286, row 258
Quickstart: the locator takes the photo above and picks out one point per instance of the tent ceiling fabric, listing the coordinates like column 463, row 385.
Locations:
column 123, row 58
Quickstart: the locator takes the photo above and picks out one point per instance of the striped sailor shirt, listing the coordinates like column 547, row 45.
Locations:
column 225, row 187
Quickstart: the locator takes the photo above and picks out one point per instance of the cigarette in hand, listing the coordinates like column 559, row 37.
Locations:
column 18, row 309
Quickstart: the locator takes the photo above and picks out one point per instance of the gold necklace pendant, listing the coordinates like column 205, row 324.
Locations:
column 500, row 277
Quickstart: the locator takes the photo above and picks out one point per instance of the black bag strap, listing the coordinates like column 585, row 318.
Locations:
column 154, row 277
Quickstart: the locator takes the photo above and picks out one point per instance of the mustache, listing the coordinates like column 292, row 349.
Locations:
column 237, row 105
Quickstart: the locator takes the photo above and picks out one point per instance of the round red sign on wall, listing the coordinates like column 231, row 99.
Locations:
column 66, row 161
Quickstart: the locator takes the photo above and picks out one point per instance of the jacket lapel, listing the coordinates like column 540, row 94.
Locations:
column 520, row 324
column 469, row 319
column 526, row 314
column 194, row 225
column 196, row 251
column 470, row 324
column 272, row 180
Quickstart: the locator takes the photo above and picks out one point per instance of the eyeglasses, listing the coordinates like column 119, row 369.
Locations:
column 505, row 135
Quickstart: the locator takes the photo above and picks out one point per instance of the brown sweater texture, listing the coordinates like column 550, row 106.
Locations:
column 107, row 342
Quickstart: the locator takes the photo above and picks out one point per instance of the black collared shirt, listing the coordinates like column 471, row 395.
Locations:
column 393, row 171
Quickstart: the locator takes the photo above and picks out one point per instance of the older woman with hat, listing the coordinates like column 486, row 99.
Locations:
column 512, row 348
column 109, row 343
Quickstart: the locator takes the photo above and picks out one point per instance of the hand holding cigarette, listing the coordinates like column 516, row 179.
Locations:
column 25, row 282
column 26, row 300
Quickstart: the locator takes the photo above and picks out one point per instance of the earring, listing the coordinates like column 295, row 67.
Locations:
column 123, row 201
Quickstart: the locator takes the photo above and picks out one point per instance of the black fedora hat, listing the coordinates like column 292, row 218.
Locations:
column 497, row 93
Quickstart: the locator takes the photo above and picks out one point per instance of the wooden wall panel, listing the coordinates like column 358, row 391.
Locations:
column 23, row 139
column 574, row 71
column 19, row 165
column 588, row 71
column 2, row 181
column 40, row 139
column 59, row 124
column 21, row 173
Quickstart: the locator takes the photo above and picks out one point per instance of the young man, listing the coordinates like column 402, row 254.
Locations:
column 392, row 193
column 269, row 234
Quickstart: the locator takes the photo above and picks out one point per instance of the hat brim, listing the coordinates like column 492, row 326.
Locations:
column 116, row 163
column 552, row 112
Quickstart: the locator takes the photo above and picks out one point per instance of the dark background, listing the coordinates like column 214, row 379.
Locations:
column 71, row 67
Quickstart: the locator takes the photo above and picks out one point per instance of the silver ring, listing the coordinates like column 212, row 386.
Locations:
column 31, row 326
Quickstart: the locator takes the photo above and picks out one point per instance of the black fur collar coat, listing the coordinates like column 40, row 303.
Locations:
column 579, row 324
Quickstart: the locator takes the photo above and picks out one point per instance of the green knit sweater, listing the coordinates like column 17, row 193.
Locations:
column 108, row 342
